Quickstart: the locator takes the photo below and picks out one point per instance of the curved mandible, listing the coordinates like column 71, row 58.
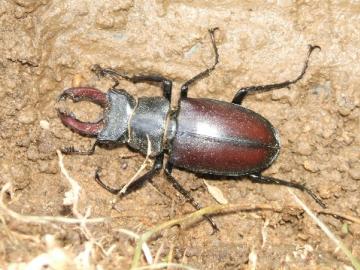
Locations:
column 78, row 94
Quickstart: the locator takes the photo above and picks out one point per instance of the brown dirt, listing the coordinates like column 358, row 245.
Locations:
column 47, row 46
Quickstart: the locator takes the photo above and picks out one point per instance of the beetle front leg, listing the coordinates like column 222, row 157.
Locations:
column 258, row 178
column 166, row 84
column 137, row 183
column 72, row 151
column 187, row 195
column 240, row 95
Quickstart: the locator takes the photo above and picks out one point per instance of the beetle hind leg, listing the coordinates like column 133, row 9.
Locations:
column 258, row 178
column 187, row 195
column 240, row 95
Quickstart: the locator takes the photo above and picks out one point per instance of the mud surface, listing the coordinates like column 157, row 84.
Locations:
column 47, row 46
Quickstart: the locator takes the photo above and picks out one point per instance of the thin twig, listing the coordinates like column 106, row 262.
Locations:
column 339, row 215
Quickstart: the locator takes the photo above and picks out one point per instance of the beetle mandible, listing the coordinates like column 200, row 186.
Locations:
column 203, row 136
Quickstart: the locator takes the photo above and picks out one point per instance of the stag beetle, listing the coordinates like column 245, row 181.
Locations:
column 203, row 136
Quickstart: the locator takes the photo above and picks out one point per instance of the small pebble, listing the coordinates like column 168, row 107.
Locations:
column 311, row 166
column 124, row 165
column 303, row 148
column 355, row 172
column 48, row 167
column 32, row 153
column 77, row 80
column 46, row 143
column 26, row 116
column 20, row 176
column 104, row 21
column 44, row 124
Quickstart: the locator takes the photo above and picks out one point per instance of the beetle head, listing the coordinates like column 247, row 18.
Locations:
column 118, row 106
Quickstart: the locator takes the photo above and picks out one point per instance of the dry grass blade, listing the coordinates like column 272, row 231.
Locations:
column 215, row 209
column 145, row 247
column 142, row 167
column 194, row 216
column 166, row 265
column 41, row 219
column 355, row 262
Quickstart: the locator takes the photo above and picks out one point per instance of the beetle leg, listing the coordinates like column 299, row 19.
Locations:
column 240, row 95
column 71, row 150
column 187, row 195
column 258, row 178
column 166, row 84
column 185, row 87
column 137, row 183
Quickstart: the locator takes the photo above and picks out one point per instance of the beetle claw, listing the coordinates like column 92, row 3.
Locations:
column 78, row 94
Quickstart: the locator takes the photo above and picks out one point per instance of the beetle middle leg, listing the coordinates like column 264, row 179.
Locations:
column 240, row 95
column 187, row 195
column 166, row 84
column 258, row 178
column 185, row 87
column 157, row 166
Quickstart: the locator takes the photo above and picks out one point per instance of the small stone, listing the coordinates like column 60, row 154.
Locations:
column 311, row 166
column 20, row 176
column 324, row 192
column 32, row 153
column 104, row 21
column 285, row 94
column 44, row 124
column 355, row 230
column 355, row 172
column 24, row 141
column 48, row 167
column 344, row 111
column 77, row 80
column 303, row 236
column 27, row 116
column 46, row 143
column 303, row 148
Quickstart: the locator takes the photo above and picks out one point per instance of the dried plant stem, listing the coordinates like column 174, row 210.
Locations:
column 355, row 262
column 41, row 219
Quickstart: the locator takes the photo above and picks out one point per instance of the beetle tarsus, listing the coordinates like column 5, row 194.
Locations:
column 258, row 178
column 185, row 87
column 70, row 150
column 137, row 183
column 166, row 84
column 187, row 195
column 240, row 95
column 103, row 185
